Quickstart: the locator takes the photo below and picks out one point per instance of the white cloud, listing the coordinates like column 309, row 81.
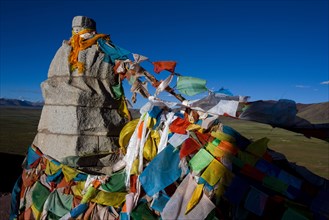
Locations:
column 325, row 83
column 303, row 86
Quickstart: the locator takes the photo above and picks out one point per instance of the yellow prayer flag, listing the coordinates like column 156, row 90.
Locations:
column 69, row 173
column 258, row 147
column 78, row 188
column 193, row 127
column 195, row 198
column 150, row 148
column 52, row 168
column 134, row 168
column 36, row 212
column 214, row 172
column 211, row 148
column 219, row 152
column 115, row 199
column 222, row 136
column 123, row 109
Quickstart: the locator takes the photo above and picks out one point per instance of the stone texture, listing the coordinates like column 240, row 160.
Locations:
column 80, row 116
column 55, row 145
column 74, row 120
column 59, row 67
column 78, row 91
column 83, row 22
column 92, row 59
column 60, row 146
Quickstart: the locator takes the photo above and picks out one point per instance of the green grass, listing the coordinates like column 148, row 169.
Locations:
column 311, row 153
column 18, row 128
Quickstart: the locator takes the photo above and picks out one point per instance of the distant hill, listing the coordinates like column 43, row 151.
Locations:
column 19, row 103
column 314, row 113
column 317, row 112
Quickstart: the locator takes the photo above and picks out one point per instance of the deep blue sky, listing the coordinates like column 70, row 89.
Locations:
column 263, row 49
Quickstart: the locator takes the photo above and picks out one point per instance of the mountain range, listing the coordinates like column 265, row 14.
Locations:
column 19, row 103
column 315, row 112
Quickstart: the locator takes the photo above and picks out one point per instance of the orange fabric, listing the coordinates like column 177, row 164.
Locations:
column 29, row 179
column 179, row 126
column 155, row 84
column 204, row 138
column 66, row 185
column 140, row 130
column 133, row 181
column 87, row 214
column 124, row 208
column 22, row 193
column 188, row 147
column 218, row 153
column 27, row 214
column 116, row 66
column 164, row 65
column 43, row 163
column 63, row 183
column 78, row 44
column 76, row 201
column 96, row 184
column 228, row 147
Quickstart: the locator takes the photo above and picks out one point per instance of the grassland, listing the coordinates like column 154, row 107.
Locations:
column 311, row 153
column 18, row 127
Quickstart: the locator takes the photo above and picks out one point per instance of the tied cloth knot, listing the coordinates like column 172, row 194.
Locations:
column 78, row 44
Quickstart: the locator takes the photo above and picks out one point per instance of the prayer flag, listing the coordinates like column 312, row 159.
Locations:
column 200, row 160
column 214, row 172
column 139, row 58
column 255, row 201
column 162, row 171
column 195, row 198
column 175, row 207
column 191, row 86
column 164, row 65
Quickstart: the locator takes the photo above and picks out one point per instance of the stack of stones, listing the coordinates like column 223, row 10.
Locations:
column 80, row 116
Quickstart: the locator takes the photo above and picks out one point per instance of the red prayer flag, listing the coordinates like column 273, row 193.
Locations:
column 179, row 126
column 164, row 65
column 252, row 172
column 188, row 147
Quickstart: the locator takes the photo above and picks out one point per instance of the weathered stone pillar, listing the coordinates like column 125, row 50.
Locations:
column 80, row 115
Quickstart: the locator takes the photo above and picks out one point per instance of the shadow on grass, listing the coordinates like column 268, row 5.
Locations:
column 11, row 165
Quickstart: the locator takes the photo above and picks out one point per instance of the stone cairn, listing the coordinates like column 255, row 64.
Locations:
column 80, row 116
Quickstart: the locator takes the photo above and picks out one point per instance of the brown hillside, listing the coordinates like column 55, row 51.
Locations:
column 316, row 113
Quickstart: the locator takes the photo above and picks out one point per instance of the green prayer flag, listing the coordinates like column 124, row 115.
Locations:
column 39, row 195
column 142, row 211
column 59, row 203
column 117, row 91
column 116, row 182
column 200, row 160
column 191, row 86
column 292, row 214
column 275, row 184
